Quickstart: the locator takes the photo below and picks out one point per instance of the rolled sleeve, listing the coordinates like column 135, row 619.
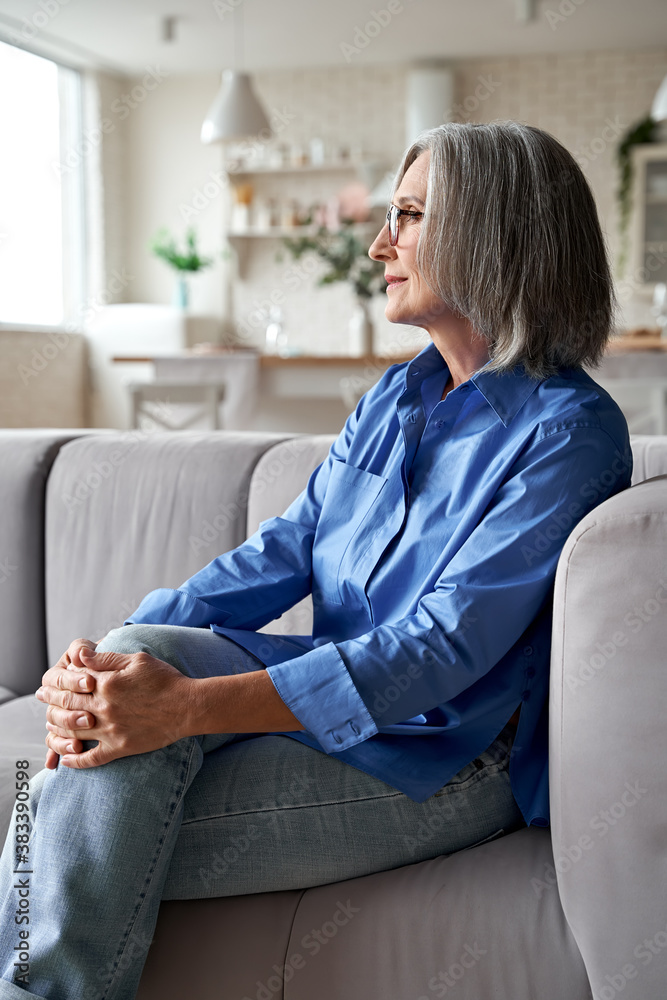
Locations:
column 318, row 690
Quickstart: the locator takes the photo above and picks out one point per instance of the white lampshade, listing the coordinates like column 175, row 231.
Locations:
column 236, row 111
column 659, row 109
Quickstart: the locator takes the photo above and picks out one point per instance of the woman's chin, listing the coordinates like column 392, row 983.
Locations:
column 397, row 315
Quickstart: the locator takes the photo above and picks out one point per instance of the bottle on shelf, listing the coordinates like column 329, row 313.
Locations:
column 276, row 338
column 316, row 149
column 242, row 200
column 261, row 217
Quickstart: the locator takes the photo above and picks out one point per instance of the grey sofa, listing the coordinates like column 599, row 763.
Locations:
column 91, row 521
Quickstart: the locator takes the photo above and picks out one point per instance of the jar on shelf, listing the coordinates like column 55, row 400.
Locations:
column 242, row 195
column 316, row 149
column 276, row 157
column 298, row 156
column 289, row 214
column 240, row 220
column 261, row 216
column 274, row 213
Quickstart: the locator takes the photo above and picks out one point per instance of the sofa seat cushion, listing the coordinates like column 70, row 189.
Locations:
column 482, row 923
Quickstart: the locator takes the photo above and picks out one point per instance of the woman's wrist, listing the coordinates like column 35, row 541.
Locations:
column 238, row 703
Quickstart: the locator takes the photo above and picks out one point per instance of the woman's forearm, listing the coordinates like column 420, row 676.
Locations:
column 239, row 703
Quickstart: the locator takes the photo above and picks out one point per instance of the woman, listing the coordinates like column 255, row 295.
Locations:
column 429, row 539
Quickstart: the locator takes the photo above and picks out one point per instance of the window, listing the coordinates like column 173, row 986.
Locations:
column 41, row 201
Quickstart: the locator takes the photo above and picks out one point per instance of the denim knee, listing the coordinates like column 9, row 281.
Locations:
column 133, row 639
column 161, row 641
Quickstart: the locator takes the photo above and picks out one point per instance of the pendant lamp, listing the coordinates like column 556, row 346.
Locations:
column 236, row 112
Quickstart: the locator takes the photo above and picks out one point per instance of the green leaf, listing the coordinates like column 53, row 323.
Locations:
column 164, row 247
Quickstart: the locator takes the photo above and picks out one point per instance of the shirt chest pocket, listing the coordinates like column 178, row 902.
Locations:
column 350, row 505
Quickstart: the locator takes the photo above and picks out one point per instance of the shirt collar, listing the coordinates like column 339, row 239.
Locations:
column 505, row 392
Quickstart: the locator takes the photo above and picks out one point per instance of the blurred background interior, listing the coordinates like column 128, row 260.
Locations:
column 188, row 189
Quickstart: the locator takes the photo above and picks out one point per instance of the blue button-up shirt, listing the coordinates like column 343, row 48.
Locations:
column 429, row 540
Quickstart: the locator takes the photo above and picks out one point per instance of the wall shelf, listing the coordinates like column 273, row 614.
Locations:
column 295, row 187
column 294, row 232
column 306, row 168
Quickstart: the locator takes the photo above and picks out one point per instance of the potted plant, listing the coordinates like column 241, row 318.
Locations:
column 188, row 262
column 346, row 257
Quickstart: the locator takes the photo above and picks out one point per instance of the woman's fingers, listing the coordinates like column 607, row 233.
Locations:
column 67, row 672
column 59, row 745
column 61, row 684
column 74, row 650
column 68, row 722
column 67, row 678
column 69, row 691
column 71, row 717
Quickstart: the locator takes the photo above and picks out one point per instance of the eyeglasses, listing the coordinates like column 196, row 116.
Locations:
column 392, row 218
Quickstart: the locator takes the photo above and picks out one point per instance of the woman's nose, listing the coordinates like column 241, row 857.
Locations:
column 380, row 248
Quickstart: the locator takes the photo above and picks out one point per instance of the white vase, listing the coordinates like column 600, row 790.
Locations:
column 361, row 330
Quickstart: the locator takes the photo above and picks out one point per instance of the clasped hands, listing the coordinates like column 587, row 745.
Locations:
column 129, row 703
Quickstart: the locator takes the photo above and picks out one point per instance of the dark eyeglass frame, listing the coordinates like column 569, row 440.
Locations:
column 392, row 218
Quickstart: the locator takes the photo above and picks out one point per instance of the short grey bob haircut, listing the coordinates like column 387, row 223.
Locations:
column 511, row 240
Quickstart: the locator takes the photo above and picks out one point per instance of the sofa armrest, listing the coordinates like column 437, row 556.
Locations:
column 608, row 741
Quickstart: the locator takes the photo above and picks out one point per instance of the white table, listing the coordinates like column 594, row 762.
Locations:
column 238, row 371
column 308, row 394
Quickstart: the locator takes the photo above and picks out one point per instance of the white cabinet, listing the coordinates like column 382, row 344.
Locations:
column 649, row 214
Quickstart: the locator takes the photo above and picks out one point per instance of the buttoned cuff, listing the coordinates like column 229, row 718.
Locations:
column 176, row 607
column 318, row 690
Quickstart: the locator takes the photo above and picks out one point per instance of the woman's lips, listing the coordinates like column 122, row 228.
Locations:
column 392, row 281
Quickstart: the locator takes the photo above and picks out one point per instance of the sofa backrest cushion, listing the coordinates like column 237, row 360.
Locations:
column 26, row 457
column 649, row 453
column 280, row 475
column 127, row 513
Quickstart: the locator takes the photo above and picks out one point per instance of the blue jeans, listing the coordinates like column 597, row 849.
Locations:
column 213, row 815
